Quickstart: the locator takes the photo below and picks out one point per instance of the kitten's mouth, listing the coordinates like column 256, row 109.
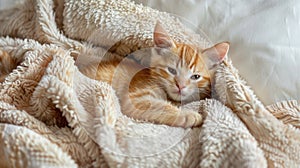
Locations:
column 176, row 94
column 179, row 94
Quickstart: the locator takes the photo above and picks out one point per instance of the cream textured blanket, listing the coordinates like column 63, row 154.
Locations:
column 53, row 116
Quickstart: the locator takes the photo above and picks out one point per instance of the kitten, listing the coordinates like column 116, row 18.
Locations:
column 171, row 74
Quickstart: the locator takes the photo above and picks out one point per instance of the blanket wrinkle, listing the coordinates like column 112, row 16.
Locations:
column 278, row 140
column 23, row 120
column 238, row 137
column 287, row 111
column 45, row 104
column 46, row 100
column 14, row 140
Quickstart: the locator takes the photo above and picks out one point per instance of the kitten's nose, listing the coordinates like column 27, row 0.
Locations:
column 180, row 86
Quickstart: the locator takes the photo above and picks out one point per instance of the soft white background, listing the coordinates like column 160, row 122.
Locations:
column 7, row 3
column 264, row 37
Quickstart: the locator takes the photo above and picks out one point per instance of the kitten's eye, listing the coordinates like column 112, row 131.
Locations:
column 195, row 77
column 172, row 70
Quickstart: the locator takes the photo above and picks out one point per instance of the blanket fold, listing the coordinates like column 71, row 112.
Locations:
column 52, row 115
column 278, row 140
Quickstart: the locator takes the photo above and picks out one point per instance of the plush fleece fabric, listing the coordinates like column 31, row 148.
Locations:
column 53, row 116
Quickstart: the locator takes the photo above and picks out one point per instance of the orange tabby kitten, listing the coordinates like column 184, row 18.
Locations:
column 172, row 74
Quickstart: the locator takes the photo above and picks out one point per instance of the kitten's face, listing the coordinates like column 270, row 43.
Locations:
column 181, row 72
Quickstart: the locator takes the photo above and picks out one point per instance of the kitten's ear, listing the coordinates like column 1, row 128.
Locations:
column 216, row 54
column 161, row 37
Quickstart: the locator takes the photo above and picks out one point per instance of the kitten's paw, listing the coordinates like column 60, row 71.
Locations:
column 188, row 118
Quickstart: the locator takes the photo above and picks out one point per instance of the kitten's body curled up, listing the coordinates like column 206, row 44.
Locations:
column 171, row 74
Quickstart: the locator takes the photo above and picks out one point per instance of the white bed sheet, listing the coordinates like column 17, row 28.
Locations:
column 4, row 4
column 264, row 37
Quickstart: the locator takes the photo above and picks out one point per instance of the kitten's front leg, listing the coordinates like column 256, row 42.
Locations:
column 162, row 112
column 188, row 118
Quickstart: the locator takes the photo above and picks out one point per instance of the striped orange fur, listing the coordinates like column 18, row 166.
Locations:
column 175, row 74
column 7, row 64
